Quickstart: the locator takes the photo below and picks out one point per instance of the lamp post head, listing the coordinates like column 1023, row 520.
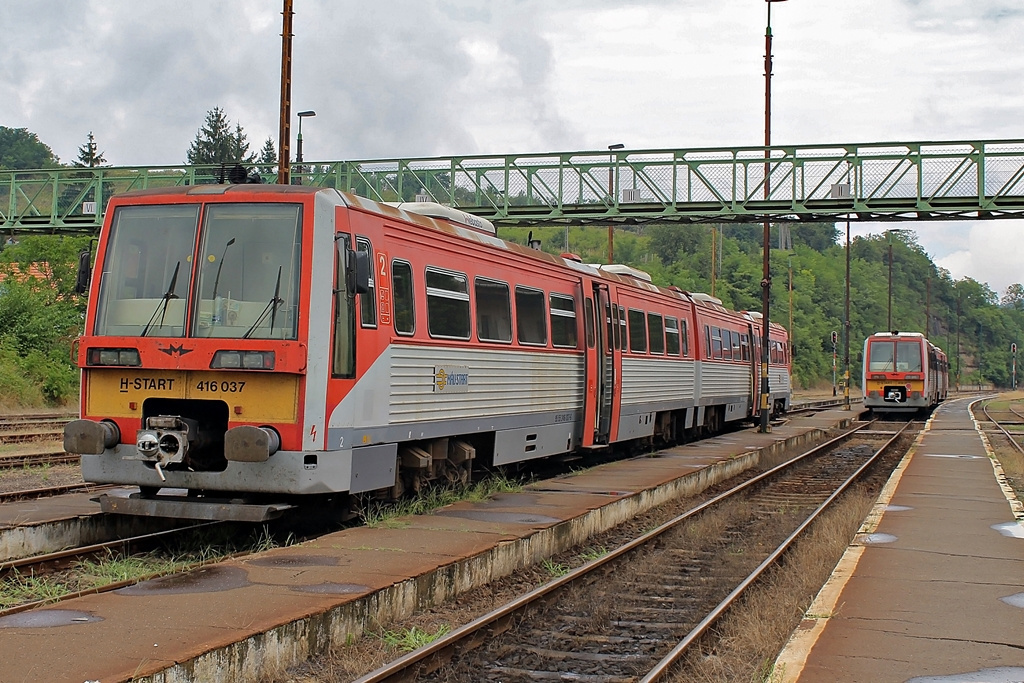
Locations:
column 304, row 114
column 615, row 146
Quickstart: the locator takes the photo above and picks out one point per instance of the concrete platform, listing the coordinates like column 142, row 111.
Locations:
column 932, row 590
column 238, row 619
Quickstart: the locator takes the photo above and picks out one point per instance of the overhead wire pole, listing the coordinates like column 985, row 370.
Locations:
column 284, row 134
column 766, row 276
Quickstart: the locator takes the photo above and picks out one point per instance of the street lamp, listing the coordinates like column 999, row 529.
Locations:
column 611, row 199
column 766, row 276
column 298, row 139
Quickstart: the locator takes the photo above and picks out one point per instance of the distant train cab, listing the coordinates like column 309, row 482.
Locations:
column 903, row 373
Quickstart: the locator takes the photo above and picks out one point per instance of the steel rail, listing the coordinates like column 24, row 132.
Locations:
column 1008, row 435
column 442, row 648
column 662, row 667
column 31, row 459
column 22, row 494
column 124, row 543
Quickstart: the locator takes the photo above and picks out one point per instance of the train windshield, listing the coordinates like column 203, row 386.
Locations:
column 145, row 278
column 898, row 356
column 249, row 273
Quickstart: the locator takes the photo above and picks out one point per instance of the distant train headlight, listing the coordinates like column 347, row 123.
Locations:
column 250, row 360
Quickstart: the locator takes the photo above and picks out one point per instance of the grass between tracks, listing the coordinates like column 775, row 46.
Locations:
column 389, row 514
column 753, row 633
column 204, row 547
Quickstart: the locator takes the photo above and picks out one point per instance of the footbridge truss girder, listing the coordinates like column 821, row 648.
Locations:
column 860, row 182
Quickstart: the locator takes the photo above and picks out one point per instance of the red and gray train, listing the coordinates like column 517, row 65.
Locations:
column 251, row 347
column 903, row 373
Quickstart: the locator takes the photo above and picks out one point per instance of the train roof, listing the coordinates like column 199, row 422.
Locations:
column 441, row 218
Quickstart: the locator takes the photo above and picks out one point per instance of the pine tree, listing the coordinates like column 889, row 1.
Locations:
column 88, row 157
column 216, row 144
column 268, row 155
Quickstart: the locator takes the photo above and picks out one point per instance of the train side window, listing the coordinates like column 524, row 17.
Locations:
column 671, row 336
column 447, row 304
column 588, row 320
column 707, row 341
column 343, row 356
column 656, row 332
column 612, row 329
column 637, row 331
column 684, row 337
column 716, row 342
column 563, row 321
column 737, row 350
column 367, row 301
column 493, row 311
column 405, row 307
column 622, row 327
column 726, row 344
column 531, row 327
column 744, row 347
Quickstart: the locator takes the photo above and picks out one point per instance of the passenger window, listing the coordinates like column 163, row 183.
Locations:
column 716, row 343
column 367, row 301
column 622, row 325
column 656, row 332
column 588, row 319
column 637, row 332
column 672, row 336
column 530, row 319
column 493, row 311
column 563, row 321
column 684, row 337
column 613, row 329
column 343, row 356
column 447, row 304
column 401, row 286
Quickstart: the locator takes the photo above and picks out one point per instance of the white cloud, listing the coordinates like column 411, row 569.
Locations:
column 439, row 77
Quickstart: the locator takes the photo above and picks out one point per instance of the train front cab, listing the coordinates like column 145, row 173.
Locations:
column 195, row 365
column 897, row 373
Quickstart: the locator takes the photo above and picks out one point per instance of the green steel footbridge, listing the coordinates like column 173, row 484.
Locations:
column 861, row 182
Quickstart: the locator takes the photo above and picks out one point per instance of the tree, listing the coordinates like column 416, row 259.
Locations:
column 21, row 149
column 268, row 155
column 88, row 157
column 1014, row 297
column 215, row 143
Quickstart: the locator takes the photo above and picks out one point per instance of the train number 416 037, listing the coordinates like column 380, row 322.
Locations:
column 222, row 386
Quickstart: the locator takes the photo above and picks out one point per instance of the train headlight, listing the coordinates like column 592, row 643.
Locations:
column 123, row 357
column 249, row 360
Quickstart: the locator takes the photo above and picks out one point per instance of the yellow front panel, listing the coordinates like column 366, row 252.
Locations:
column 262, row 397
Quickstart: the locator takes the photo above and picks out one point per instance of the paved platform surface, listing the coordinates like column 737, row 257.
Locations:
column 932, row 591
column 239, row 619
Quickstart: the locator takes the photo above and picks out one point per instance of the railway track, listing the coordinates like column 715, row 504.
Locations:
column 633, row 613
column 34, row 459
column 41, row 565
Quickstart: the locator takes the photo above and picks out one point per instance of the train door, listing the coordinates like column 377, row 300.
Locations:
column 756, row 344
column 754, row 348
column 601, row 366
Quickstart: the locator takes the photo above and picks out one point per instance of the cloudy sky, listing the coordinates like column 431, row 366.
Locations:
column 394, row 78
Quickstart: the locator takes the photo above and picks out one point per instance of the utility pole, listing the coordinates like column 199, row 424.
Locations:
column 285, row 132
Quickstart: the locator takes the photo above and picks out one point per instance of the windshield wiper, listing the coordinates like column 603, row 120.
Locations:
column 161, row 307
column 271, row 309
column 216, row 281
